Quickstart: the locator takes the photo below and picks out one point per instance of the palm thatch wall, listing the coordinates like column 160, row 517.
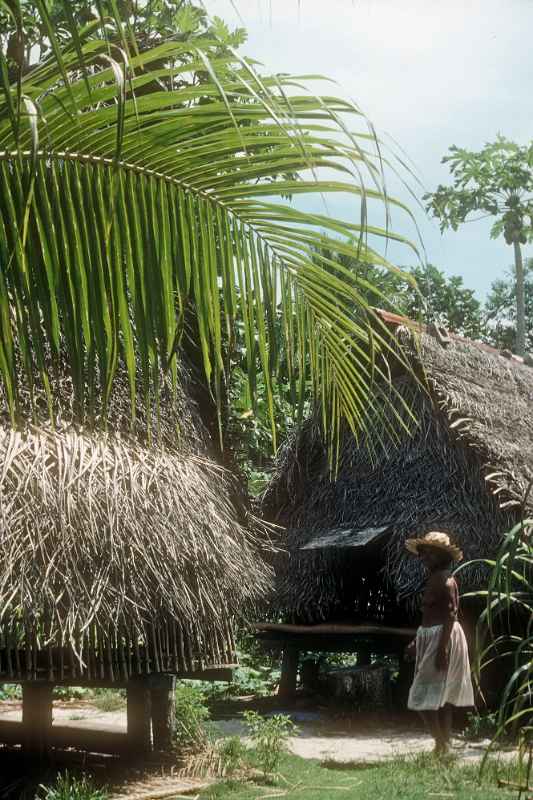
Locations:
column 121, row 554
column 462, row 468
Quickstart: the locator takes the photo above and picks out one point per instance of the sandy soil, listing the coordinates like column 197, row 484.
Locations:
column 352, row 738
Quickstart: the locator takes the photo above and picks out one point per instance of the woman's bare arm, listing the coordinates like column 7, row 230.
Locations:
column 449, row 603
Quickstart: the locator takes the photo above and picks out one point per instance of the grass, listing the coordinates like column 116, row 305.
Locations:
column 418, row 778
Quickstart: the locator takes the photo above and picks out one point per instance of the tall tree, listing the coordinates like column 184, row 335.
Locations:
column 500, row 309
column 131, row 219
column 496, row 180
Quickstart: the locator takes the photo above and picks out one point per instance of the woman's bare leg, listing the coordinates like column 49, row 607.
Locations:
column 445, row 722
column 432, row 723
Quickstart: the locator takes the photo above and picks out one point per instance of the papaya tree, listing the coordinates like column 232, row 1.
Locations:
column 496, row 181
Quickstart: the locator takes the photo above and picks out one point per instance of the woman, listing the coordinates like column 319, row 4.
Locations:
column 442, row 671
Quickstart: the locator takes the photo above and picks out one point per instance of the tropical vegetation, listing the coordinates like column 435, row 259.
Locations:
column 500, row 309
column 146, row 212
column 496, row 181
column 505, row 629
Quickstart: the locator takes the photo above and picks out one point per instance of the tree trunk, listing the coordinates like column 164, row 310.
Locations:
column 520, row 301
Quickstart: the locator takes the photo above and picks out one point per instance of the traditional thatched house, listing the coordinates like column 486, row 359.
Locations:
column 462, row 468
column 124, row 560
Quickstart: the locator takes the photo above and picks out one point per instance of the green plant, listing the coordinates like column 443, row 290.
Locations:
column 191, row 716
column 71, row 692
column 69, row 787
column 187, row 141
column 108, row 699
column 505, row 628
column 270, row 737
column 481, row 726
column 232, row 752
column 10, row 691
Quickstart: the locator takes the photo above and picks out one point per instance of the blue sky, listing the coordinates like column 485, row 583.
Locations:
column 429, row 73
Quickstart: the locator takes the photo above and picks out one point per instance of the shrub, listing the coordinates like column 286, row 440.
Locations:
column 108, row 699
column 232, row 752
column 481, row 726
column 191, row 716
column 269, row 736
column 68, row 787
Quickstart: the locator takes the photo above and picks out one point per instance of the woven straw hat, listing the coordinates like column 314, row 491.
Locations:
column 440, row 541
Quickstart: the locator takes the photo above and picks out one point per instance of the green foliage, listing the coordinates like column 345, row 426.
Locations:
column 480, row 726
column 496, row 180
column 505, row 628
column 146, row 24
column 10, row 691
column 159, row 222
column 500, row 309
column 257, row 674
column 233, row 754
column 191, row 716
column 66, row 693
column 269, row 737
column 108, row 699
column 69, row 787
column 421, row 292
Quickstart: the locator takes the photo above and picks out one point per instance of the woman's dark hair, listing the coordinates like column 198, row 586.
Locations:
column 445, row 559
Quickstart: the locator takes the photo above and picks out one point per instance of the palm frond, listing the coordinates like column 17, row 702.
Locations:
column 127, row 206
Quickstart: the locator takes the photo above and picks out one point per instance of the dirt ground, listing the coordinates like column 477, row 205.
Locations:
column 322, row 733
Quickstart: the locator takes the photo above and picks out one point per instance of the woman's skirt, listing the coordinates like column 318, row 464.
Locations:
column 433, row 688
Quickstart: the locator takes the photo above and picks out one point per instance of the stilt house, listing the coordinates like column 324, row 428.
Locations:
column 125, row 559
column 460, row 464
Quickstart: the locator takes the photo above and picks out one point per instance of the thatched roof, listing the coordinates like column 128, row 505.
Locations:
column 114, row 545
column 463, row 468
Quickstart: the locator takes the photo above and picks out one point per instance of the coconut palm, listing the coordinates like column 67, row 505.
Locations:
column 144, row 205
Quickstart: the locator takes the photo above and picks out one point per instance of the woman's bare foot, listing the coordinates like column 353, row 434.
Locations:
column 442, row 748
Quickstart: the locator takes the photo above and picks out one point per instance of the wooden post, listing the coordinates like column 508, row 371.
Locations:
column 138, row 716
column 36, row 717
column 163, row 710
column 289, row 671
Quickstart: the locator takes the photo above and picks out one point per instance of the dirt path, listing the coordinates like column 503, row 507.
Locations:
column 352, row 738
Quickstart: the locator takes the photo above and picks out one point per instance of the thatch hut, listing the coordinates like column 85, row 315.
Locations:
column 462, row 467
column 125, row 556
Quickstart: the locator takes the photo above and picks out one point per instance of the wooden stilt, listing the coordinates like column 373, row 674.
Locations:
column 163, row 711
column 138, row 716
column 36, row 717
column 289, row 670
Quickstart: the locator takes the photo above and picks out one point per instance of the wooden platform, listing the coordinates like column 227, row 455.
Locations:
column 150, row 714
column 364, row 639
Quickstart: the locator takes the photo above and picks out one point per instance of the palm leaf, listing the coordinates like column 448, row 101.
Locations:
column 149, row 206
